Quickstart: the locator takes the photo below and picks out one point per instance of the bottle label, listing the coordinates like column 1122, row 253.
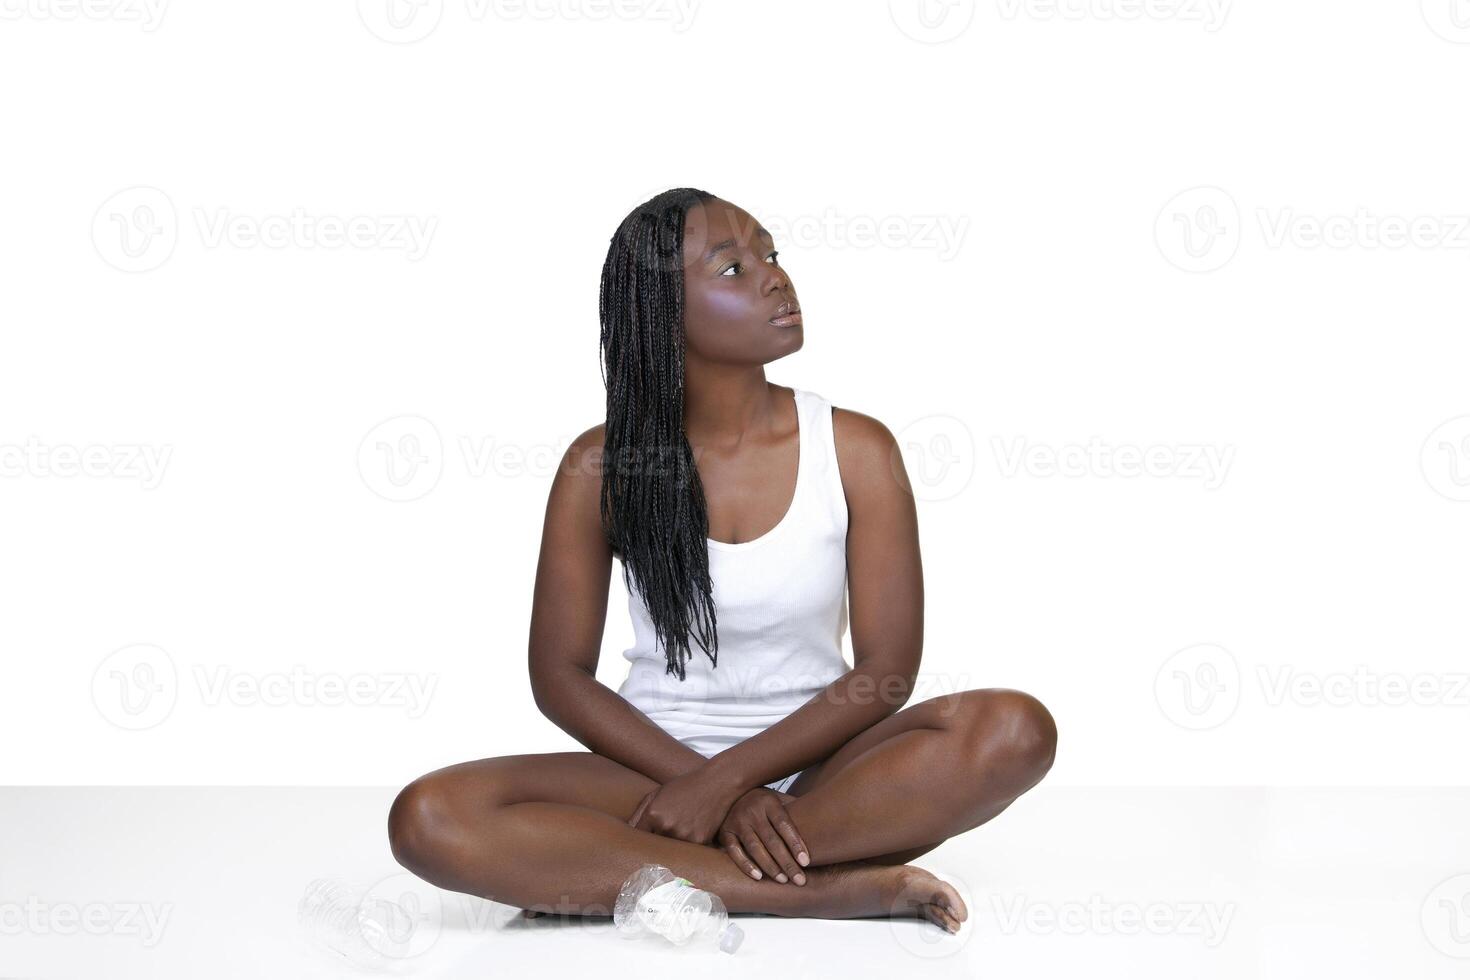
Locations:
column 666, row 910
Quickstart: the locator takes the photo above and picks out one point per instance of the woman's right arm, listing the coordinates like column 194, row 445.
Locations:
column 568, row 613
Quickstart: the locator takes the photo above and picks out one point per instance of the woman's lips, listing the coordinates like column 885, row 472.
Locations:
column 788, row 320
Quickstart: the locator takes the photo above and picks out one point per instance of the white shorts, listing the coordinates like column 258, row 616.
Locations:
column 784, row 785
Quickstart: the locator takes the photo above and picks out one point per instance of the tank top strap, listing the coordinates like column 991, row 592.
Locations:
column 823, row 478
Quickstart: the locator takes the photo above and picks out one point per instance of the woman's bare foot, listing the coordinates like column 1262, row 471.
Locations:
column 857, row 889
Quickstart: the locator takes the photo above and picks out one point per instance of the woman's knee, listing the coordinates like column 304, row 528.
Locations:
column 417, row 811
column 1011, row 723
column 429, row 813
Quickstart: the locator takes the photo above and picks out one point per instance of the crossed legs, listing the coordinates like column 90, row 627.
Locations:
column 922, row 775
column 549, row 831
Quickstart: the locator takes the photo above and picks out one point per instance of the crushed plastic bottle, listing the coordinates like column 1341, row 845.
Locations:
column 366, row 930
column 655, row 901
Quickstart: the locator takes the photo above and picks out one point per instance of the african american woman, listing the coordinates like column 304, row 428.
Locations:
column 749, row 518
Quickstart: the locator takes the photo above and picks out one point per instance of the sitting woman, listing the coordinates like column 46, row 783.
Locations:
column 746, row 516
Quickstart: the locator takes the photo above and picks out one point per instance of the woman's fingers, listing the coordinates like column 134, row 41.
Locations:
column 732, row 847
column 766, row 844
column 776, row 846
column 751, row 841
column 787, row 830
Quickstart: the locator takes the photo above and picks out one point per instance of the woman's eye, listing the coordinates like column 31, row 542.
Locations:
column 737, row 264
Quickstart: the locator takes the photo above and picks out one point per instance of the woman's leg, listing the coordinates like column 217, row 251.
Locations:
column 923, row 774
column 549, row 831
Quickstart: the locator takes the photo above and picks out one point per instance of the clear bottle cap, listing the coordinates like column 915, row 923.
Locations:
column 731, row 938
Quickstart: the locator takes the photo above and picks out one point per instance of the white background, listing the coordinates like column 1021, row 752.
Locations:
column 1166, row 225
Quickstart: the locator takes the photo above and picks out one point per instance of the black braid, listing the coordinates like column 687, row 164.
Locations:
column 653, row 507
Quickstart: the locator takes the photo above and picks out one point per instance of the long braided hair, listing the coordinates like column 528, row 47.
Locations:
column 652, row 505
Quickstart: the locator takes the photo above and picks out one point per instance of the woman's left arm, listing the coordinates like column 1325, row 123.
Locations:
column 885, row 611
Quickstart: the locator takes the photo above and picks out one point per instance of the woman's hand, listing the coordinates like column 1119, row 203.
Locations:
column 760, row 837
column 689, row 807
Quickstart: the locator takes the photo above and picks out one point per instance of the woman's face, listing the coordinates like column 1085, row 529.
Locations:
column 733, row 288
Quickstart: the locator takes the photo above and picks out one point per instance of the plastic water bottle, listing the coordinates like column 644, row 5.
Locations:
column 655, row 901
column 365, row 930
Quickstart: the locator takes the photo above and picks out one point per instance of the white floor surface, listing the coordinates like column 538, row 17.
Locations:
column 162, row 882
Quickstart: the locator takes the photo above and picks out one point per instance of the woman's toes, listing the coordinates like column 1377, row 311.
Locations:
column 941, row 917
column 953, row 903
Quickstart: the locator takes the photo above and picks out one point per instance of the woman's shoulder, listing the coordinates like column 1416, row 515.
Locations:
column 859, row 433
column 584, row 456
column 869, row 460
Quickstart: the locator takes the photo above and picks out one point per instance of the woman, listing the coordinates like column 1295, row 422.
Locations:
column 760, row 767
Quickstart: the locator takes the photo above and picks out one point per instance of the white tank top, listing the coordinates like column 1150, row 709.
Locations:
column 780, row 613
